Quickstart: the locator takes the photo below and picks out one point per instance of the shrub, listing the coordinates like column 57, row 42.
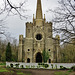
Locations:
column 11, row 65
column 22, row 66
column 73, row 68
column 39, row 63
column 17, row 65
column 27, row 66
column 8, row 66
column 38, row 67
column 43, row 65
column 56, row 66
column 33, row 66
column 46, row 65
column 52, row 66
column 62, row 68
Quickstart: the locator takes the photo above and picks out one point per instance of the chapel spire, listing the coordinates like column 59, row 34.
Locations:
column 39, row 10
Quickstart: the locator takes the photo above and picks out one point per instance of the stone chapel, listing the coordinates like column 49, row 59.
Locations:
column 39, row 37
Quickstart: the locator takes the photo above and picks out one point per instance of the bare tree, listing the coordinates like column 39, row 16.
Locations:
column 2, row 27
column 10, row 8
column 64, row 19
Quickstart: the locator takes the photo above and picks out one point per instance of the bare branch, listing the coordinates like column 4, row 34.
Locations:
column 11, row 8
column 64, row 19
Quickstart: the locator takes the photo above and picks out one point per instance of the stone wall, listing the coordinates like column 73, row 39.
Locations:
column 40, row 65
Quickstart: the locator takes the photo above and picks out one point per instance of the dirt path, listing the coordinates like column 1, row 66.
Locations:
column 35, row 72
column 40, row 72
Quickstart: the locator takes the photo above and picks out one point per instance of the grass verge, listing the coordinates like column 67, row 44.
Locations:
column 3, row 63
column 21, row 73
column 62, row 73
column 3, row 70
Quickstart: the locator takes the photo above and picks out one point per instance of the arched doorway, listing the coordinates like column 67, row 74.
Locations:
column 38, row 58
column 28, row 60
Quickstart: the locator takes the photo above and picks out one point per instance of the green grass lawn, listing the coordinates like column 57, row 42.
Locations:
column 3, row 63
column 62, row 73
column 11, row 71
column 3, row 70
column 21, row 73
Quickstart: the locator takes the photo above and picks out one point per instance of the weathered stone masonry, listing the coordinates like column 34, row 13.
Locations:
column 38, row 38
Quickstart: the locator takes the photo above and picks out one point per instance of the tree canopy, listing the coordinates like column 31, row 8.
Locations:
column 8, row 52
column 45, row 55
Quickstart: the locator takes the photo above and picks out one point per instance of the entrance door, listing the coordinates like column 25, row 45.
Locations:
column 28, row 60
column 38, row 58
column 49, row 60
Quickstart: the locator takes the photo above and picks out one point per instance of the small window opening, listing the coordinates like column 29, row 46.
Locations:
column 28, row 49
column 49, row 50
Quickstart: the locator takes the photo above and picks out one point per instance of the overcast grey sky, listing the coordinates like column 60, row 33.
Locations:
column 16, row 26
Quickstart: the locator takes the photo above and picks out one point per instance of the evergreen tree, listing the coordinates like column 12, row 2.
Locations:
column 45, row 56
column 8, row 52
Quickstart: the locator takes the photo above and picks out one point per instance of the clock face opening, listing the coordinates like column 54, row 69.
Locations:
column 38, row 36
